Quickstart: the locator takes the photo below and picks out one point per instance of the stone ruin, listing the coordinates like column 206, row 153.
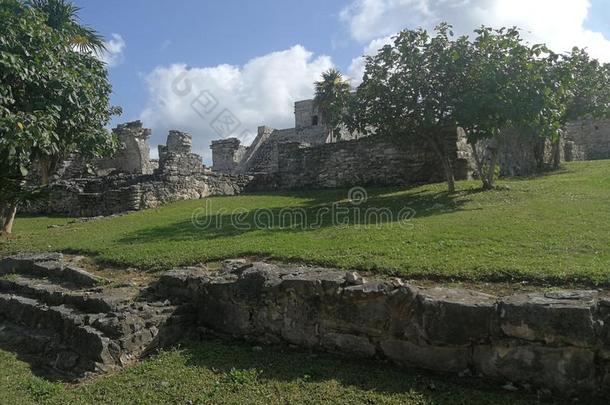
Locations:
column 310, row 156
column 306, row 156
column 131, row 181
column 70, row 324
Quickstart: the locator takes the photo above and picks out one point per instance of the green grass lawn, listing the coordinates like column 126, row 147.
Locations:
column 215, row 373
column 550, row 229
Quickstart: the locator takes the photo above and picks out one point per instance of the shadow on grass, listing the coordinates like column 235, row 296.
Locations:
column 322, row 209
column 240, row 365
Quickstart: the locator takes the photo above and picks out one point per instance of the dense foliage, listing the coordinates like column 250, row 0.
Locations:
column 420, row 85
column 54, row 100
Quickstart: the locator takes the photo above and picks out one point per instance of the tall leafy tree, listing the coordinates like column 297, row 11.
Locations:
column 332, row 94
column 409, row 90
column 587, row 84
column 509, row 84
column 54, row 100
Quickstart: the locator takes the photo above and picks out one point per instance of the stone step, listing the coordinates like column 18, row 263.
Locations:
column 71, row 326
column 89, row 342
column 48, row 265
column 42, row 349
column 90, row 301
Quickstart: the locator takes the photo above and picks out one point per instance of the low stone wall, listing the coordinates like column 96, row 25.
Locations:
column 374, row 160
column 91, row 197
column 556, row 341
column 588, row 140
column 523, row 154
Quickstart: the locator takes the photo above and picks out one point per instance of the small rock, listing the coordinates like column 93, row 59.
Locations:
column 397, row 282
column 257, row 349
column 510, row 387
column 353, row 278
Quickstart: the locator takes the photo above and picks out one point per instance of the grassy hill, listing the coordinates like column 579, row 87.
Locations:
column 553, row 228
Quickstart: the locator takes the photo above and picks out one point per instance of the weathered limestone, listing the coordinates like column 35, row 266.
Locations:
column 134, row 153
column 556, row 341
column 588, row 139
column 68, row 323
column 367, row 161
column 180, row 175
column 226, row 155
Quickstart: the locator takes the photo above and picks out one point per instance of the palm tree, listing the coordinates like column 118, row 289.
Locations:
column 332, row 93
column 63, row 16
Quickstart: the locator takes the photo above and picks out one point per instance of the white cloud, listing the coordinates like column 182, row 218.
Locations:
column 261, row 92
column 356, row 68
column 558, row 23
column 113, row 54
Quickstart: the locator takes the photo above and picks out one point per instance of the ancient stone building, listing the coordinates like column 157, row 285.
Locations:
column 309, row 156
column 133, row 155
column 130, row 181
column 230, row 156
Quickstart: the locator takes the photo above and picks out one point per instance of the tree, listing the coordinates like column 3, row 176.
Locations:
column 409, row 90
column 62, row 15
column 529, row 88
column 332, row 94
column 54, row 100
column 509, row 85
column 588, row 85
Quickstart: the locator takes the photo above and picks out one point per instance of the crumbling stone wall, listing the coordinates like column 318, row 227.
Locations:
column 134, row 153
column 555, row 341
column 180, row 175
column 374, row 160
column 588, row 140
column 521, row 153
column 226, row 154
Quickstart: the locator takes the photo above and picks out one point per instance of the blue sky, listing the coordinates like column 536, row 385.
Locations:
column 157, row 39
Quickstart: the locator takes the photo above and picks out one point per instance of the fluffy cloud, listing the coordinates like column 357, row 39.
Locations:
column 113, row 54
column 558, row 23
column 226, row 100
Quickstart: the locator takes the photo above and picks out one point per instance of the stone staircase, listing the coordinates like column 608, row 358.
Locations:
column 68, row 323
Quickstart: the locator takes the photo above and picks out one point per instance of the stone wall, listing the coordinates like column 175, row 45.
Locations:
column 226, row 154
column 556, row 341
column 375, row 161
column 133, row 155
column 588, row 140
column 180, row 175
column 521, row 153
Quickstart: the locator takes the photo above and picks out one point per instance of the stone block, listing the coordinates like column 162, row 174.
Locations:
column 360, row 346
column 565, row 369
column 447, row 316
column 563, row 317
column 435, row 358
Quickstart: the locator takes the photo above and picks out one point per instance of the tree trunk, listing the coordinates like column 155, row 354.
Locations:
column 486, row 174
column 449, row 175
column 440, row 151
column 8, row 218
column 47, row 167
column 556, row 152
column 491, row 171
